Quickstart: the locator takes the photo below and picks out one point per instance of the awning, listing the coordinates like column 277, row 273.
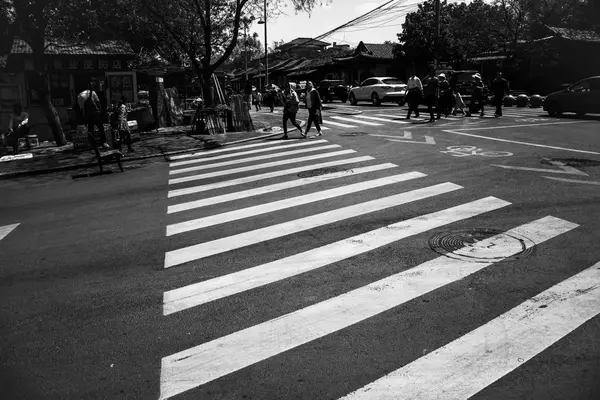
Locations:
column 487, row 58
column 302, row 73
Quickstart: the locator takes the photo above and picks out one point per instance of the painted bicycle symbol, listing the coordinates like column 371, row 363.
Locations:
column 465, row 151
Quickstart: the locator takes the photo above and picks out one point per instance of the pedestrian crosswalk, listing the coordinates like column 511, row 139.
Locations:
column 243, row 190
column 398, row 117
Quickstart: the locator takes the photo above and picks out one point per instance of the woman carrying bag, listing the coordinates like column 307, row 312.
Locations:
column 314, row 106
column 290, row 108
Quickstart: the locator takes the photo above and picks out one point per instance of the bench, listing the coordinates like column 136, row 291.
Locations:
column 106, row 155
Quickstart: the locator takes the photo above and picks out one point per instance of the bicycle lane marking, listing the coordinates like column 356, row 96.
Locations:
column 457, row 132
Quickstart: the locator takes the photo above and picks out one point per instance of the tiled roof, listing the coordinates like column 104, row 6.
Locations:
column 574, row 34
column 299, row 42
column 380, row 50
column 62, row 47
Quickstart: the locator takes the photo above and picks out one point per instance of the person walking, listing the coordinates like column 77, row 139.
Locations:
column 477, row 100
column 291, row 104
column 272, row 97
column 430, row 92
column 258, row 98
column 500, row 88
column 414, row 93
column 89, row 103
column 446, row 99
column 18, row 126
column 123, row 126
column 248, row 94
column 314, row 106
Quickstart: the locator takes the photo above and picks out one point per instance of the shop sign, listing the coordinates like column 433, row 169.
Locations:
column 116, row 64
column 88, row 64
column 73, row 64
column 102, row 64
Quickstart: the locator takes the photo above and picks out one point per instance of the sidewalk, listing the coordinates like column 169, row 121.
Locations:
column 160, row 143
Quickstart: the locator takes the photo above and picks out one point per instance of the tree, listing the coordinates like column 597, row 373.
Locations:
column 207, row 31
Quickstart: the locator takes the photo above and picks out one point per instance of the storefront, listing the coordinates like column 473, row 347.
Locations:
column 68, row 71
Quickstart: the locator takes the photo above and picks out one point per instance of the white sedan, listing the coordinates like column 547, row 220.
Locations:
column 378, row 90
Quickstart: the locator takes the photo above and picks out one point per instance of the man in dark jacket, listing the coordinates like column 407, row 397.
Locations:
column 430, row 92
column 499, row 89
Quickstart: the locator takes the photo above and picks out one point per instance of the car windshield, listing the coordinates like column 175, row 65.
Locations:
column 393, row 81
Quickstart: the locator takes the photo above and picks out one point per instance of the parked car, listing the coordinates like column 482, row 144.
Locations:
column 378, row 90
column 330, row 89
column 582, row 97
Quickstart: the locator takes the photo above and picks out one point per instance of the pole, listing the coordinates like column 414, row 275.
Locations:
column 266, row 55
column 437, row 32
column 246, row 50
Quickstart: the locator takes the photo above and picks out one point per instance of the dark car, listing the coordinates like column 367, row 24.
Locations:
column 581, row 98
column 330, row 89
column 464, row 82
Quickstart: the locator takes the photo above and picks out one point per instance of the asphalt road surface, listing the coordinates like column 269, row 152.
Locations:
column 387, row 259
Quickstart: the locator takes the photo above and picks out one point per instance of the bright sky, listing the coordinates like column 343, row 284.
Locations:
column 338, row 12
column 326, row 18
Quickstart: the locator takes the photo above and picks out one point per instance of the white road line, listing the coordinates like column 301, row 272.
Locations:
column 214, row 289
column 265, row 208
column 201, row 364
column 6, row 229
column 203, row 250
column 393, row 116
column 209, row 153
column 474, row 361
column 381, row 119
column 258, row 166
column 268, row 175
column 327, row 122
column 250, row 159
column 572, row 180
column 356, row 121
column 295, row 143
column 534, row 124
column 515, row 141
column 273, row 188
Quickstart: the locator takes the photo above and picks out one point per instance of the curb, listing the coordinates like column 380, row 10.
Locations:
column 33, row 172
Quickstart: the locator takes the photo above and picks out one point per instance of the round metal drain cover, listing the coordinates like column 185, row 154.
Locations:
column 461, row 245
column 322, row 171
column 572, row 162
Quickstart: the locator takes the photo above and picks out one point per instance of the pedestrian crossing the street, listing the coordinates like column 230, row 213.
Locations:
column 265, row 175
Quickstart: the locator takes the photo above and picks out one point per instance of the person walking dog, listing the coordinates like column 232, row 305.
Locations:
column 500, row 89
column 314, row 106
column 290, row 108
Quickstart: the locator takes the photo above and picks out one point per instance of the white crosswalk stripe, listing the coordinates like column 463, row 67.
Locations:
column 457, row 370
column 356, row 121
column 327, row 122
column 5, row 230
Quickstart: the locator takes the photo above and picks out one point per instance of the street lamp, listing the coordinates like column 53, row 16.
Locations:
column 266, row 56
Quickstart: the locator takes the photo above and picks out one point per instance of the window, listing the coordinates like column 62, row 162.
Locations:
column 59, row 89
column 370, row 82
column 583, row 86
column 595, row 85
column 393, row 81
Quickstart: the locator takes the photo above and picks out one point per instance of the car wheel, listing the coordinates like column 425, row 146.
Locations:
column 375, row 99
column 352, row 99
column 554, row 109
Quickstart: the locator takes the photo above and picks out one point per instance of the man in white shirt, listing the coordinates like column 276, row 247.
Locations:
column 414, row 93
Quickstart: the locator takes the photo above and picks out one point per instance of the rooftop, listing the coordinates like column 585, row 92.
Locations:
column 63, row 47
column 574, row 34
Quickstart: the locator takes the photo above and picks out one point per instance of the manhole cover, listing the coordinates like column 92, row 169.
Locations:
column 572, row 162
column 353, row 134
column 322, row 171
column 460, row 245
